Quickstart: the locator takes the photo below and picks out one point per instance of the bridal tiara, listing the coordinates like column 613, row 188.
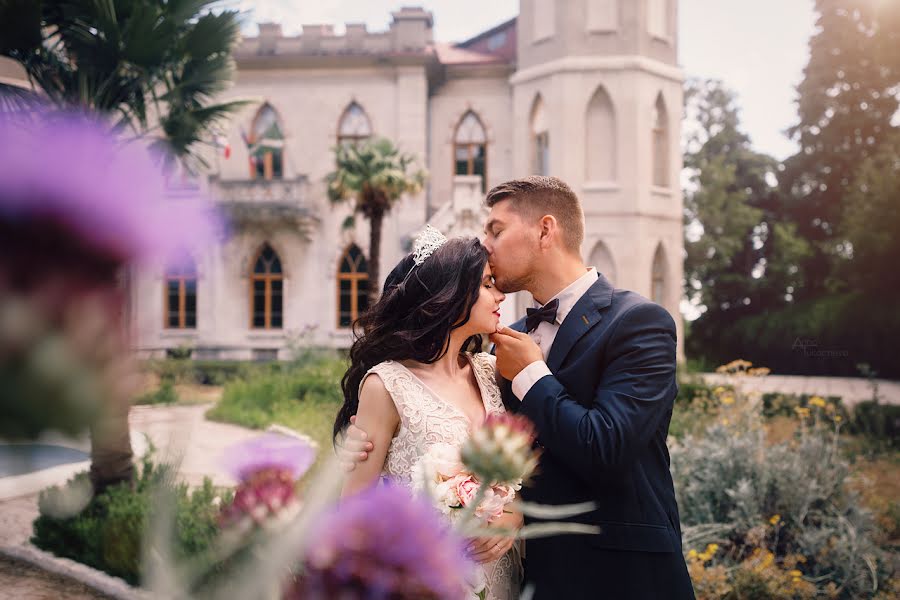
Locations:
column 428, row 241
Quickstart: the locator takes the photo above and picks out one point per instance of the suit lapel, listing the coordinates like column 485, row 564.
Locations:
column 582, row 318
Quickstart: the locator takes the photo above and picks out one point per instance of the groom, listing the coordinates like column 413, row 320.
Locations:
column 594, row 369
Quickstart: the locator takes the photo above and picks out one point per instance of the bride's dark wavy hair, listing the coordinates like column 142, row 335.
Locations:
column 419, row 307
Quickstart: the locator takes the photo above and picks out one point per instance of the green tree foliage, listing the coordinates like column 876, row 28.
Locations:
column 146, row 64
column 373, row 174
column 741, row 259
column 847, row 98
column 871, row 223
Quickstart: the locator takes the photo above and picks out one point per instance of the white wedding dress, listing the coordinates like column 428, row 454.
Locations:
column 426, row 419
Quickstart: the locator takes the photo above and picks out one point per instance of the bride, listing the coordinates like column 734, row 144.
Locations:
column 417, row 377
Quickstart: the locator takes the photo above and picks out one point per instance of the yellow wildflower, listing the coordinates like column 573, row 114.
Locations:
column 712, row 549
column 692, row 554
column 838, row 418
column 727, row 400
column 801, row 411
column 817, row 401
column 775, row 519
column 718, row 390
column 795, row 573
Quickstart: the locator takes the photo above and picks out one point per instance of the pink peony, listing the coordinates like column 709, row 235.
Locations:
column 466, row 489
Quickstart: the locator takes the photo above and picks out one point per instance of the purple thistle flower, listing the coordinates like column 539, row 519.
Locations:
column 290, row 454
column 68, row 171
column 383, row 543
column 267, row 468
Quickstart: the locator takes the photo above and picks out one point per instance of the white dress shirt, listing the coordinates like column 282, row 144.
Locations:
column 545, row 332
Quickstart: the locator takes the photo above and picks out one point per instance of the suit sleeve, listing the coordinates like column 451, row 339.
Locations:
column 635, row 392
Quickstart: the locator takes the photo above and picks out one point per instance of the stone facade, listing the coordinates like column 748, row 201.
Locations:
column 587, row 90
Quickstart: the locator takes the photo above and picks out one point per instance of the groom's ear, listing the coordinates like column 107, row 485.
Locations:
column 549, row 231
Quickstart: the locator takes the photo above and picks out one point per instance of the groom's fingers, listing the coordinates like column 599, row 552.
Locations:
column 508, row 331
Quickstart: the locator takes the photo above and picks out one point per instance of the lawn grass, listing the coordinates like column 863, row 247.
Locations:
column 304, row 397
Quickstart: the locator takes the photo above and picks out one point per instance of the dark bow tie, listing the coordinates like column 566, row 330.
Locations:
column 534, row 316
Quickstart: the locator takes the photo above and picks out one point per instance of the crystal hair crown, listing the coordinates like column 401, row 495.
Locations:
column 428, row 241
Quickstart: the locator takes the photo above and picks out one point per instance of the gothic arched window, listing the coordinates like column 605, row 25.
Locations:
column 540, row 139
column 266, row 145
column 660, row 143
column 180, row 308
column 353, row 286
column 600, row 138
column 658, row 282
column 470, row 148
column 266, row 290
column 354, row 125
column 601, row 259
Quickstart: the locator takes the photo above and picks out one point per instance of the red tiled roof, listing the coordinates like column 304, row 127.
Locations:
column 449, row 54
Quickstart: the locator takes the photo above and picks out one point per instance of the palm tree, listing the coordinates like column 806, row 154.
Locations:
column 151, row 69
column 373, row 174
column 131, row 61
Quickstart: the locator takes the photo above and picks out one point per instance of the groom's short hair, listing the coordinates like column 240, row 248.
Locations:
column 536, row 196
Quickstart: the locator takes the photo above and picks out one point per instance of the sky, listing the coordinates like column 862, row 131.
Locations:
column 757, row 48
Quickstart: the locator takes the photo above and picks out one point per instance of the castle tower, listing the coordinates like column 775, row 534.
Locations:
column 597, row 101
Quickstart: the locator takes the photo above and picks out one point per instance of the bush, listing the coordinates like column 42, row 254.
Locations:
column 108, row 533
column 879, row 423
column 204, row 372
column 783, row 514
column 164, row 394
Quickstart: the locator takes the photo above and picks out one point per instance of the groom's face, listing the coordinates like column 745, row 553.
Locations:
column 512, row 244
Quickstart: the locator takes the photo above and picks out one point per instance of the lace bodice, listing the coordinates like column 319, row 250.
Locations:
column 426, row 419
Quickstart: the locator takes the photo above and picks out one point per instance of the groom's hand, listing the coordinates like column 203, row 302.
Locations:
column 355, row 447
column 515, row 350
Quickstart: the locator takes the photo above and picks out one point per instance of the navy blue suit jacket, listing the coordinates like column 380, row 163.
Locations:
column 602, row 419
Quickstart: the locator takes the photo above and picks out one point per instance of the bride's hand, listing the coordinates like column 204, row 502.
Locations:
column 489, row 549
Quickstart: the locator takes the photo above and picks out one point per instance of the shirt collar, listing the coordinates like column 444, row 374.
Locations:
column 570, row 295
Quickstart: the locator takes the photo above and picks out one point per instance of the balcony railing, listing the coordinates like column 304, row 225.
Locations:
column 266, row 200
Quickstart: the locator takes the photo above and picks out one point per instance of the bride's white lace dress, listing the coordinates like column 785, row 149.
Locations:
column 426, row 419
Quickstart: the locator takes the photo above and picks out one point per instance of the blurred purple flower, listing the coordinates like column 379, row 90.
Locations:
column 71, row 172
column 383, row 543
column 293, row 455
column 267, row 468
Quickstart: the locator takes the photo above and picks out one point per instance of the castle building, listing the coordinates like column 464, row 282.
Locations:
column 586, row 90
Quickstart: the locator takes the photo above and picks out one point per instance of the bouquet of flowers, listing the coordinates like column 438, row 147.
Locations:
column 442, row 475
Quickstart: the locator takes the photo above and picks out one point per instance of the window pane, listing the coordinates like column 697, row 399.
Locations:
column 259, row 303
column 190, row 303
column 172, row 303
column 277, row 303
column 362, row 298
column 277, row 164
column 345, row 320
column 478, row 165
column 345, row 292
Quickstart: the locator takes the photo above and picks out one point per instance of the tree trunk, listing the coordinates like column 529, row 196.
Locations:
column 111, row 455
column 375, row 222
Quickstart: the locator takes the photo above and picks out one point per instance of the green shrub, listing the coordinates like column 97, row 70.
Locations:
column 164, row 394
column 787, row 506
column 202, row 372
column 108, row 533
column 879, row 423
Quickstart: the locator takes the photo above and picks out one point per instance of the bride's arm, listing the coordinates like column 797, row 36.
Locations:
column 378, row 417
